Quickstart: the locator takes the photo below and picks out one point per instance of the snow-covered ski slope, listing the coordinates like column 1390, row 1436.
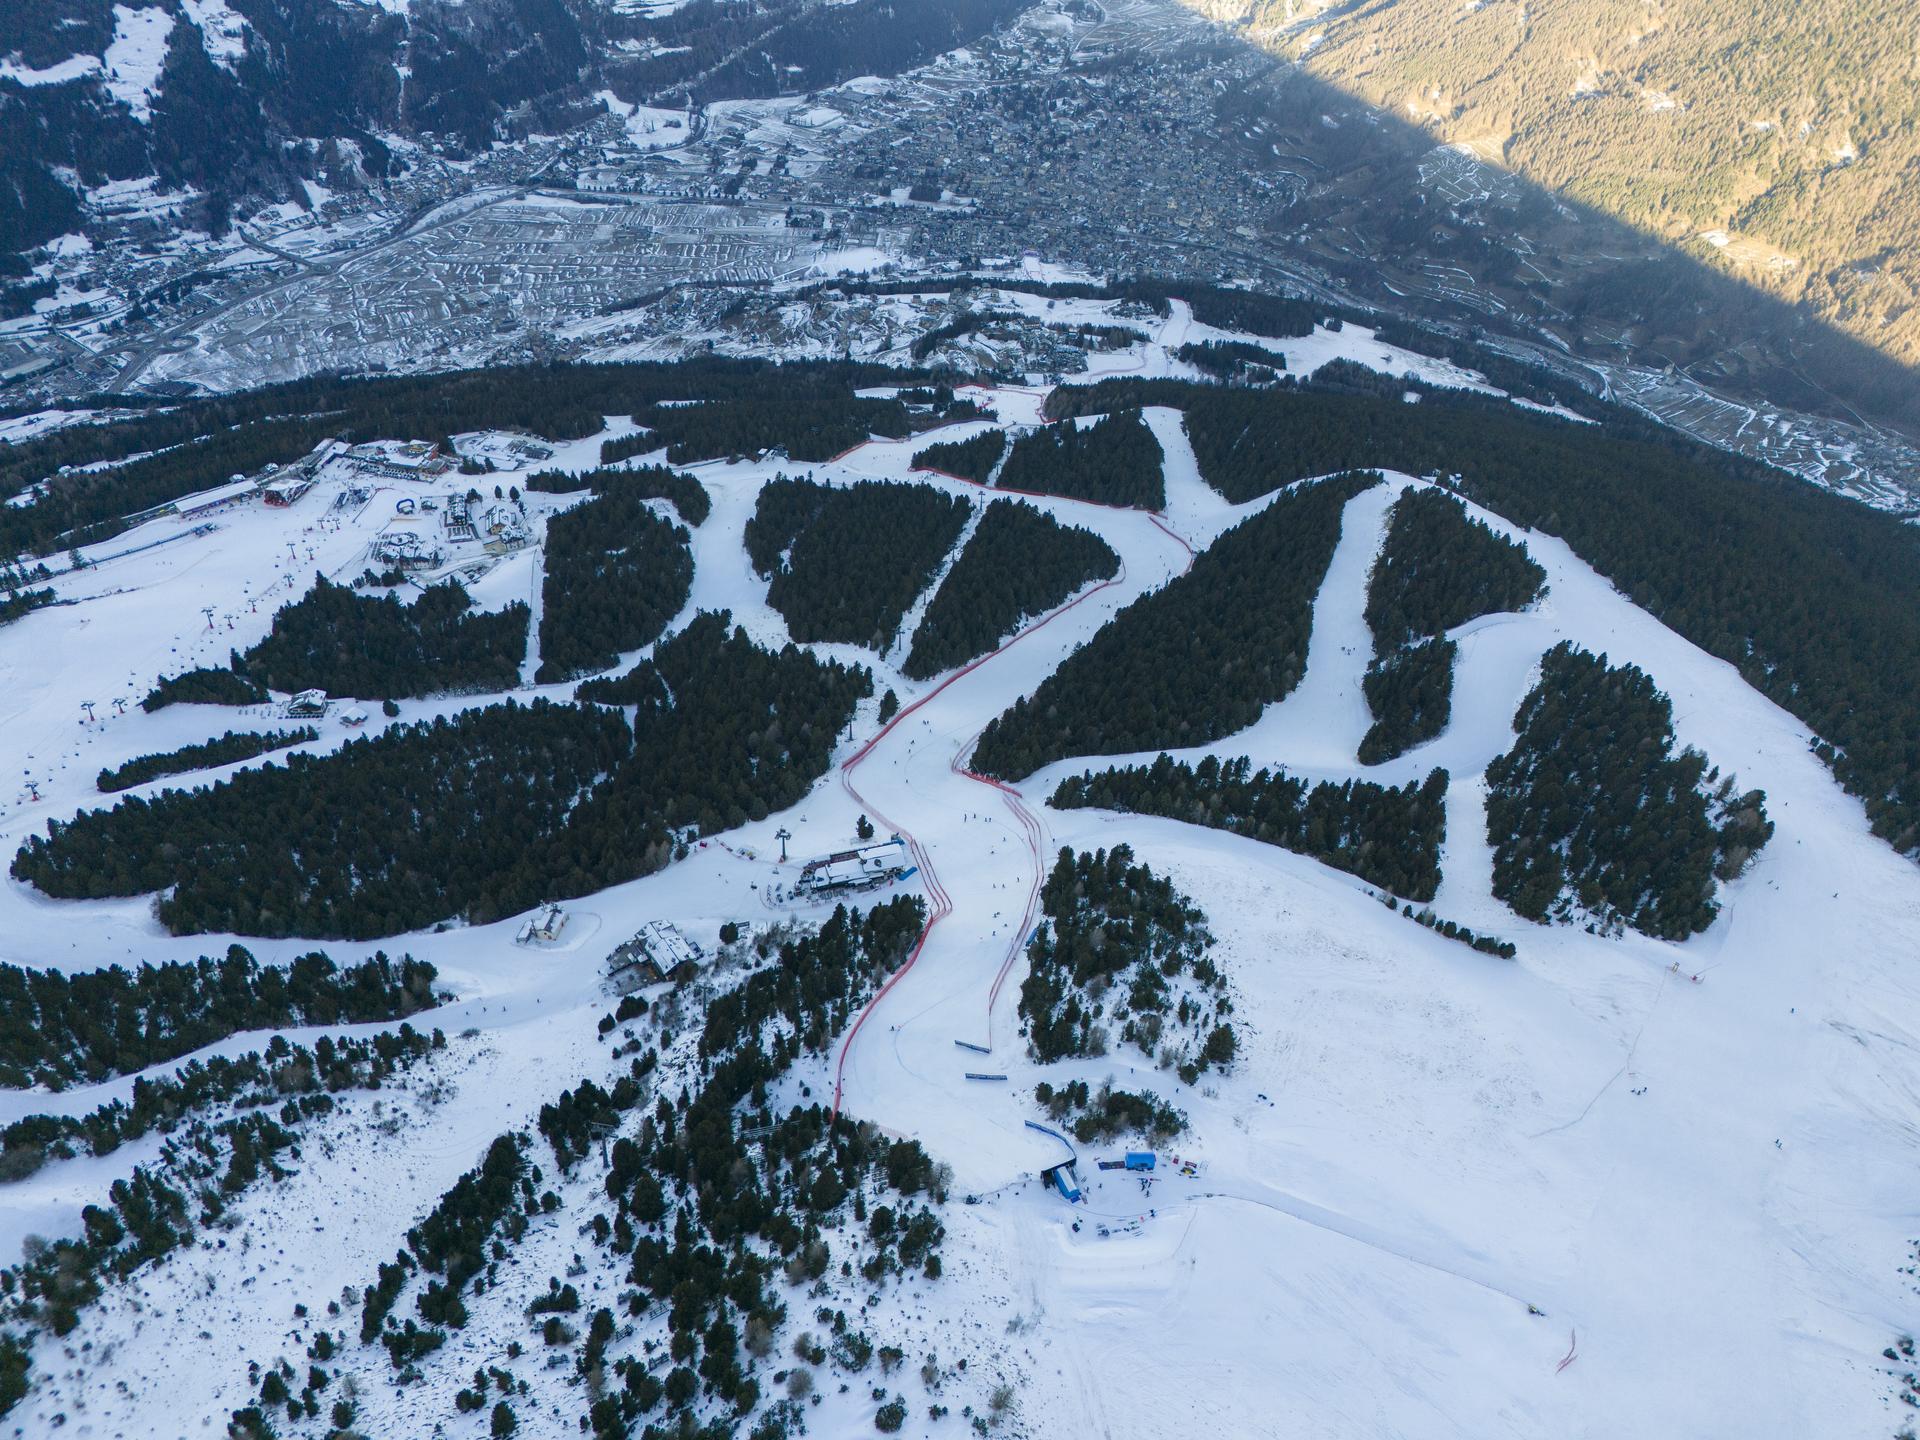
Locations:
column 1418, row 1147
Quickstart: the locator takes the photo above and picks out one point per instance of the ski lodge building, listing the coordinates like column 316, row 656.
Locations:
column 543, row 927
column 658, row 952
column 859, row 869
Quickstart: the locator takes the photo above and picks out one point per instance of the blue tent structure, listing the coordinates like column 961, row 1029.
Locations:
column 1063, row 1179
column 1140, row 1160
column 1061, row 1176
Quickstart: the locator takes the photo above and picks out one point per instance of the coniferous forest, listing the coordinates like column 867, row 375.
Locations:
column 1439, row 568
column 1593, row 814
column 1114, row 461
column 1236, row 361
column 16, row 604
column 615, row 574
column 710, row 1197
column 1436, row 569
column 479, row 815
column 970, row 459
column 1019, row 563
column 846, row 562
column 1121, row 945
column 387, row 834
column 253, row 1080
column 346, row 643
column 228, row 749
column 1410, row 693
column 808, row 422
column 182, row 448
column 646, row 482
column 1388, row 836
column 202, row 687
column 1813, row 597
column 1191, row 662
column 195, row 1178
column 1098, row 1115
column 58, row 1030
column 724, row 733
column 621, row 447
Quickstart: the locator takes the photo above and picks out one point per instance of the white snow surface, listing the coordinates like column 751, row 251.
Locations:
column 74, row 67
column 1417, row 1143
column 131, row 65
column 649, row 127
column 223, row 30
column 134, row 58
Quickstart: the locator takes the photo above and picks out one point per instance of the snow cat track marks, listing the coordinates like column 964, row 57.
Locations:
column 1359, row 1233
column 1036, row 846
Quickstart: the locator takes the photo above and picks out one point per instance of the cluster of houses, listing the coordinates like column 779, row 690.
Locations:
column 500, row 529
column 286, row 490
column 282, row 486
column 278, row 485
column 457, row 520
column 658, row 952
column 411, row 460
column 505, row 528
column 501, row 526
column 406, row 550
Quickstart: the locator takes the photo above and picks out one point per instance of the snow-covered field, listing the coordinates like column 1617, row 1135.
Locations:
column 1705, row 1189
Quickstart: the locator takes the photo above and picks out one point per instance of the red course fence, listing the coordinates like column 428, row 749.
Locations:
column 1029, row 823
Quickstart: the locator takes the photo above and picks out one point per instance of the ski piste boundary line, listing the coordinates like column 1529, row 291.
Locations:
column 942, row 902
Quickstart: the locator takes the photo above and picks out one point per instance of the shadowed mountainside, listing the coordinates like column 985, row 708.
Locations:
column 1728, row 187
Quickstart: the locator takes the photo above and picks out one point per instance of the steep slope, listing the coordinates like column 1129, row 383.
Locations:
column 243, row 103
column 1775, row 142
column 247, row 102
